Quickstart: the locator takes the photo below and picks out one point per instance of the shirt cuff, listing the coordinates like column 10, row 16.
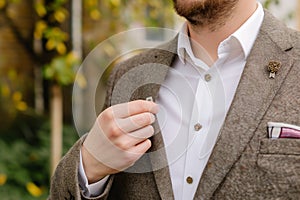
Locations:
column 90, row 190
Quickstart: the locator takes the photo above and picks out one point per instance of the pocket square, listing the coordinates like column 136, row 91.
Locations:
column 283, row 130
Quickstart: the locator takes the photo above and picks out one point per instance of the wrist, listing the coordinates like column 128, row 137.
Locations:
column 94, row 169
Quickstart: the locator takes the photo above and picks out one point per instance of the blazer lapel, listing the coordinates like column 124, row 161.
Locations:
column 252, row 99
column 156, row 71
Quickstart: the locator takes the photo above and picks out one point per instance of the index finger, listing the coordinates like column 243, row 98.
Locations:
column 125, row 110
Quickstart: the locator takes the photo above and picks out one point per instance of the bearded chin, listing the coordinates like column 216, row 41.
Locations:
column 210, row 13
column 196, row 14
column 198, row 18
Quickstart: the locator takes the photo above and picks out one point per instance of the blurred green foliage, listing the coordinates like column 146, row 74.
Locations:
column 62, row 69
column 52, row 16
column 268, row 3
column 24, row 157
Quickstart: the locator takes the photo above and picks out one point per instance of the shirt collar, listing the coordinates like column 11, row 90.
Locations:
column 184, row 45
column 245, row 35
column 248, row 32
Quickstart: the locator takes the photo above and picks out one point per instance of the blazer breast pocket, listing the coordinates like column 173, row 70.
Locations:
column 279, row 159
column 279, row 155
column 281, row 146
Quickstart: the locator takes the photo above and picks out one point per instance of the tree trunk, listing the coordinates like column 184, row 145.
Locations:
column 56, row 106
column 298, row 15
column 77, row 100
column 38, row 91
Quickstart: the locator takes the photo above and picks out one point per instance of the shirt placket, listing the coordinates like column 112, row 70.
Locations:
column 197, row 133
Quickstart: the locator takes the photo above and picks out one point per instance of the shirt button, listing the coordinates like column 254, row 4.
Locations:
column 197, row 127
column 189, row 180
column 207, row 77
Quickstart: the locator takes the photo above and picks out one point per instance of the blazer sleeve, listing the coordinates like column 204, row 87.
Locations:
column 65, row 182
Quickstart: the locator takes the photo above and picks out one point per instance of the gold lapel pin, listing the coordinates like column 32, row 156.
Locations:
column 273, row 68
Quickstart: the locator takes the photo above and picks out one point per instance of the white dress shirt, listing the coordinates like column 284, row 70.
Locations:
column 194, row 100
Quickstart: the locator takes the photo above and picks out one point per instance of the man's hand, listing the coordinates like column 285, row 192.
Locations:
column 118, row 138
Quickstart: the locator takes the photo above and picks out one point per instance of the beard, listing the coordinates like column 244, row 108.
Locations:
column 205, row 13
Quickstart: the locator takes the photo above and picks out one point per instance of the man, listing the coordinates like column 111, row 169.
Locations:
column 216, row 93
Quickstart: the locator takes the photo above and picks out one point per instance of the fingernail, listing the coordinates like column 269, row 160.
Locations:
column 152, row 118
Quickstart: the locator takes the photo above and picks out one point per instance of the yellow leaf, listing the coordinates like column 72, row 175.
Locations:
column 81, row 81
column 61, row 48
column 21, row 106
column 3, row 179
column 60, row 16
column 58, row 33
column 41, row 25
column 17, row 96
column 5, row 91
column 72, row 57
column 33, row 189
column 115, row 3
column 95, row 14
column 40, row 9
column 39, row 29
column 2, row 3
column 91, row 3
column 50, row 45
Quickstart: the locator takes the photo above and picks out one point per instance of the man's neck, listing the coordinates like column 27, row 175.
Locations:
column 204, row 37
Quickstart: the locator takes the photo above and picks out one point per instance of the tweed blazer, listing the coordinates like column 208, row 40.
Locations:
column 245, row 163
